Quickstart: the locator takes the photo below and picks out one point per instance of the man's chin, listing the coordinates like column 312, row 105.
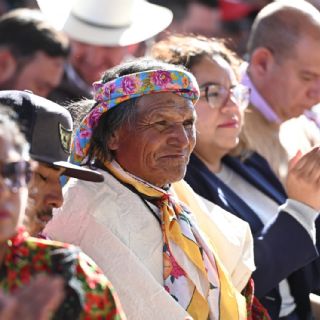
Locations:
column 44, row 215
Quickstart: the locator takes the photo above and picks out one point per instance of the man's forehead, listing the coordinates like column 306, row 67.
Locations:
column 161, row 102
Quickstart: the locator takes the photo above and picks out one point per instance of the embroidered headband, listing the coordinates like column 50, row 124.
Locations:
column 110, row 94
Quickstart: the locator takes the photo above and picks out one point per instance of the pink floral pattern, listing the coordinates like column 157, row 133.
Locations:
column 130, row 85
column 161, row 78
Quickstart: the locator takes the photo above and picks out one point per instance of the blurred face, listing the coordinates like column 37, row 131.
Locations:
column 41, row 75
column 202, row 19
column 158, row 147
column 218, row 120
column 292, row 85
column 91, row 61
column 13, row 190
column 45, row 193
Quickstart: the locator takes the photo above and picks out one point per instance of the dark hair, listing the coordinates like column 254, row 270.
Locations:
column 10, row 131
column 108, row 123
column 25, row 31
column 124, row 114
column 190, row 50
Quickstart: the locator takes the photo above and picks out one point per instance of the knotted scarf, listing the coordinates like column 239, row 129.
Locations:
column 193, row 274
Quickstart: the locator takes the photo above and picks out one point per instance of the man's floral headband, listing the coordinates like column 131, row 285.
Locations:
column 110, row 94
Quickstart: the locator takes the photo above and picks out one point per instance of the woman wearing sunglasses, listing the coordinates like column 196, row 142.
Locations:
column 41, row 279
column 283, row 229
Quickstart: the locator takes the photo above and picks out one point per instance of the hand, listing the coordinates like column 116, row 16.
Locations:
column 303, row 181
column 35, row 301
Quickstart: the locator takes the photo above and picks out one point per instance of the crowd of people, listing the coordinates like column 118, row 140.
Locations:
column 152, row 169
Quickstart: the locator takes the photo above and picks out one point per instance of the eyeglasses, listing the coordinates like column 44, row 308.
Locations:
column 217, row 95
column 15, row 174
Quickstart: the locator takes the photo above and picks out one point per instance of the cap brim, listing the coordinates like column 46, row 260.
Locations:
column 74, row 171
column 71, row 170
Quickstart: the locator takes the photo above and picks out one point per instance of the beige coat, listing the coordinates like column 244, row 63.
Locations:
column 277, row 143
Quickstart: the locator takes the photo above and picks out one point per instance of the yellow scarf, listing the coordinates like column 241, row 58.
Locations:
column 193, row 274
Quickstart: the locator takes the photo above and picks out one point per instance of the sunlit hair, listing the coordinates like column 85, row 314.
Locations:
column 189, row 50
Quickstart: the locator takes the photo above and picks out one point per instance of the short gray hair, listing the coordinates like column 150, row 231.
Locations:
column 281, row 24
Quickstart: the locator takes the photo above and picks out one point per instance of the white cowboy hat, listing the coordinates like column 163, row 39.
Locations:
column 107, row 22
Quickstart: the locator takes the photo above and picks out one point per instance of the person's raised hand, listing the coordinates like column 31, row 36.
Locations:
column 303, row 181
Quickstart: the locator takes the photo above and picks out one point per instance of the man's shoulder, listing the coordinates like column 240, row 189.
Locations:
column 69, row 90
column 109, row 190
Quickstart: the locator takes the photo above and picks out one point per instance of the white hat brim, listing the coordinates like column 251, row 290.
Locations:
column 147, row 20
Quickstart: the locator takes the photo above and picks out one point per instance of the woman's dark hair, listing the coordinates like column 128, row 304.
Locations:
column 189, row 50
column 124, row 114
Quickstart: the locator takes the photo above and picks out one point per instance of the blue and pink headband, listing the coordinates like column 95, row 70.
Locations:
column 110, row 94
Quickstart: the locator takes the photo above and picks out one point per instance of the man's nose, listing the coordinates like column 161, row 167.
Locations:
column 54, row 198
column 179, row 136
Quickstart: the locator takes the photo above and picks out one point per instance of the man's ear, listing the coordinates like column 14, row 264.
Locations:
column 8, row 65
column 260, row 61
column 113, row 142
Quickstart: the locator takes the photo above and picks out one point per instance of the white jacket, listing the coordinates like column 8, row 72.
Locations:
column 115, row 228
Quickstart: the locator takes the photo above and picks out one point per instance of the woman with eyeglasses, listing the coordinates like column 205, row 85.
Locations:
column 41, row 279
column 283, row 229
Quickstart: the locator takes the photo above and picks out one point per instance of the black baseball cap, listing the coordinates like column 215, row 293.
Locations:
column 48, row 129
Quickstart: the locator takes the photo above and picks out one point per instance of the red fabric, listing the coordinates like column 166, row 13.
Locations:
column 256, row 311
column 235, row 9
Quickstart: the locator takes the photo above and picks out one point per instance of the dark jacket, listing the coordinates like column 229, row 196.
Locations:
column 71, row 88
column 278, row 254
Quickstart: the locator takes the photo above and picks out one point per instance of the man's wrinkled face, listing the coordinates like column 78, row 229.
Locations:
column 158, row 145
column 45, row 193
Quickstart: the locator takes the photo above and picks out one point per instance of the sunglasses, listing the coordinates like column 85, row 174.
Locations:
column 217, row 95
column 15, row 174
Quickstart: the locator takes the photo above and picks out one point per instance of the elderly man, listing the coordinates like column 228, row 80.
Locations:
column 140, row 133
column 284, row 76
column 48, row 129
